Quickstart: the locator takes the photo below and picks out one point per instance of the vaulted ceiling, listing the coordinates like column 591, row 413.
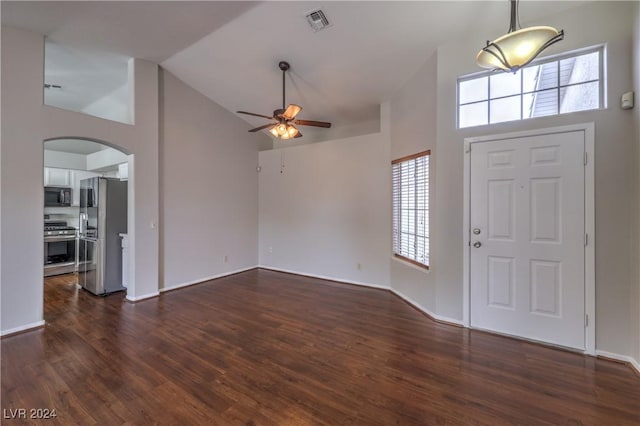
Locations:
column 229, row 51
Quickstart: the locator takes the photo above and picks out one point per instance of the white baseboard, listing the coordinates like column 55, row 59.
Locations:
column 624, row 358
column 323, row 277
column 433, row 315
column 201, row 280
column 143, row 297
column 25, row 327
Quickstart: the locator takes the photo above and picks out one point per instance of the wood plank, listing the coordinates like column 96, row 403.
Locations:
column 267, row 348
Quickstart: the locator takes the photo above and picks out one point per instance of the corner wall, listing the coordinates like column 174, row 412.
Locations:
column 209, row 187
column 325, row 209
column 635, row 299
column 413, row 130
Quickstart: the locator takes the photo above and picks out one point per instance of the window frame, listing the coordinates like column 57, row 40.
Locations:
column 396, row 225
column 601, row 49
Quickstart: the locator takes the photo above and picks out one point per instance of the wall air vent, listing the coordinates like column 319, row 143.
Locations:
column 317, row 20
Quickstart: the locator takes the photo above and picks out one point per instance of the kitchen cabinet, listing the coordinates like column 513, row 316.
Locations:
column 76, row 177
column 57, row 177
column 54, row 176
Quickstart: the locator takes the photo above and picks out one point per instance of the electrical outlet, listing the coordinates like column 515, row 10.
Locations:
column 270, row 249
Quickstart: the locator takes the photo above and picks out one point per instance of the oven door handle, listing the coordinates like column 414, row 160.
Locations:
column 57, row 238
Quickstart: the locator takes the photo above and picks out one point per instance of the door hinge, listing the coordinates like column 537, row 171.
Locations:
column 586, row 159
column 586, row 240
column 586, row 320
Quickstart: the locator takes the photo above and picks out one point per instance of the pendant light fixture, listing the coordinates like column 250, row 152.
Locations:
column 519, row 46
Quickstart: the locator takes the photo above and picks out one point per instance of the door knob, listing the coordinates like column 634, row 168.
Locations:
column 477, row 244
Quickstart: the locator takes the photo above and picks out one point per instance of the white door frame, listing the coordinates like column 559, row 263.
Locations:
column 589, row 211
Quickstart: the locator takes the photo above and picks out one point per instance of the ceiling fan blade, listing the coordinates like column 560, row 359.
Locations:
column 262, row 127
column 312, row 123
column 291, row 111
column 254, row 114
column 298, row 135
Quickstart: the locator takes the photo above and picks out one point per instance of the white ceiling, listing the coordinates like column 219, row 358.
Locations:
column 229, row 51
column 75, row 146
column 152, row 30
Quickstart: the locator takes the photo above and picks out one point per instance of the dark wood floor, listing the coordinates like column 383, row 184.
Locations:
column 265, row 348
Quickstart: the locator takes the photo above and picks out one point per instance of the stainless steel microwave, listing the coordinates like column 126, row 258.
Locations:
column 56, row 196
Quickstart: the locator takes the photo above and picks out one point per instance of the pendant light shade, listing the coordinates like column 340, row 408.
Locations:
column 518, row 47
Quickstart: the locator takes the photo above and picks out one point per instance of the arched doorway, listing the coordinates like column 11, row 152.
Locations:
column 88, row 206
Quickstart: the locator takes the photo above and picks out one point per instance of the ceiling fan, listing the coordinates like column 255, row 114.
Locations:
column 284, row 119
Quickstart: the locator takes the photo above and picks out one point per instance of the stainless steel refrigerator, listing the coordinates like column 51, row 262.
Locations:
column 103, row 216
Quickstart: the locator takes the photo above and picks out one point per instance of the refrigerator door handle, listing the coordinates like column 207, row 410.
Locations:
column 83, row 227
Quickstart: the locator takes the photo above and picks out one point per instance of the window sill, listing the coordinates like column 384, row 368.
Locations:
column 410, row 264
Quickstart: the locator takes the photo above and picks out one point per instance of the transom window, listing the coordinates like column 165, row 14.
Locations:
column 411, row 208
column 549, row 86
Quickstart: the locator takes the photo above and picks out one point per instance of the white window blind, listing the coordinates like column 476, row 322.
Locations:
column 411, row 208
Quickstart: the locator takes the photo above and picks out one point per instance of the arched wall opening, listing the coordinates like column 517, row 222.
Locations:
column 67, row 162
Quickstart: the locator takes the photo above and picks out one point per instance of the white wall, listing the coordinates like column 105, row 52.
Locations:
column 99, row 160
column 328, row 209
column 413, row 130
column 635, row 299
column 105, row 159
column 615, row 166
column 209, row 201
column 113, row 106
column 26, row 123
column 65, row 160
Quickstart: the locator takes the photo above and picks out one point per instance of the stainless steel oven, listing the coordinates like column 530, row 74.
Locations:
column 59, row 249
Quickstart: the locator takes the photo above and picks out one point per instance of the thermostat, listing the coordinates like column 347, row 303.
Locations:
column 626, row 101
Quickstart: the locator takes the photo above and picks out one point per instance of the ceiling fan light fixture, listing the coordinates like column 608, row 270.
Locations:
column 284, row 131
column 292, row 131
column 282, row 128
column 518, row 47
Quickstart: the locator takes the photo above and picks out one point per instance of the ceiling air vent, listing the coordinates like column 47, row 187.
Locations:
column 317, row 20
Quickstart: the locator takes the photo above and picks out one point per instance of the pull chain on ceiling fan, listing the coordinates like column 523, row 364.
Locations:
column 283, row 127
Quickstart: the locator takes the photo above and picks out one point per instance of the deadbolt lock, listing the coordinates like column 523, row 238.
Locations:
column 476, row 231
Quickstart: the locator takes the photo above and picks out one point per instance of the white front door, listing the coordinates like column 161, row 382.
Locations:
column 527, row 224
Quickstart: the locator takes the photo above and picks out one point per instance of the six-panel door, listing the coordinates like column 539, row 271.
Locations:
column 527, row 237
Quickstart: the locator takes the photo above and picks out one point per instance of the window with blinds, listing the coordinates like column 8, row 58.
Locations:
column 411, row 208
